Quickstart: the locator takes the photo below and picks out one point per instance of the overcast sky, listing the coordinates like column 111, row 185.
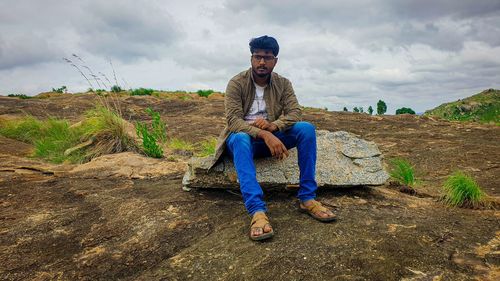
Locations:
column 415, row 54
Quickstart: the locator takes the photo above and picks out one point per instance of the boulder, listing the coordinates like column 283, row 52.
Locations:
column 342, row 160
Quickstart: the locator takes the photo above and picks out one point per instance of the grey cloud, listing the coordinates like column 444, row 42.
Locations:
column 441, row 24
column 25, row 49
column 127, row 31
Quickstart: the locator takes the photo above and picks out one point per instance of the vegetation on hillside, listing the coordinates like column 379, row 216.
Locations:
column 483, row 107
column 21, row 96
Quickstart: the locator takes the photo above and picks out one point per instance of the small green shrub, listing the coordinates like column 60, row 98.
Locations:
column 149, row 142
column 204, row 93
column 141, row 92
column 461, row 190
column 402, row 171
column 152, row 138
column 159, row 127
column 21, row 96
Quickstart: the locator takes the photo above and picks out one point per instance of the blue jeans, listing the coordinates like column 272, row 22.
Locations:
column 243, row 148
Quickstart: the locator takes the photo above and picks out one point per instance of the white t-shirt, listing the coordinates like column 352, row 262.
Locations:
column 258, row 109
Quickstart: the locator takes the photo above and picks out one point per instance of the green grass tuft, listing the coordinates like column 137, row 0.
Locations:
column 402, row 171
column 461, row 190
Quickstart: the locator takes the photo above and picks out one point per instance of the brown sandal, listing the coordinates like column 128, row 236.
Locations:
column 260, row 220
column 315, row 208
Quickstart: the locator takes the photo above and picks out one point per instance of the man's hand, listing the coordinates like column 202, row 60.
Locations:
column 277, row 148
column 264, row 125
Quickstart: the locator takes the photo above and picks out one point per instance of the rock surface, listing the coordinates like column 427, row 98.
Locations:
column 127, row 165
column 342, row 160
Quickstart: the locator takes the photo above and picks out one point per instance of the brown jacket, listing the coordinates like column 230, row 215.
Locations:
column 281, row 104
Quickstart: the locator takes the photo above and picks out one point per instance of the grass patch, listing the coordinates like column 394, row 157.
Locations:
column 207, row 147
column 200, row 149
column 179, row 144
column 402, row 171
column 26, row 129
column 55, row 139
column 142, row 92
column 461, row 190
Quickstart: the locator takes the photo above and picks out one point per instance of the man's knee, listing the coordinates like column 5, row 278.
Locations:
column 305, row 127
column 239, row 139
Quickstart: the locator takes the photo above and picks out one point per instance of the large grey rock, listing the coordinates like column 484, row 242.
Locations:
column 342, row 160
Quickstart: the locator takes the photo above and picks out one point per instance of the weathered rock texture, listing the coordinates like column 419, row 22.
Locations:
column 342, row 160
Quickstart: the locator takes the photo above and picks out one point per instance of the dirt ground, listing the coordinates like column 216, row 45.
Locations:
column 57, row 227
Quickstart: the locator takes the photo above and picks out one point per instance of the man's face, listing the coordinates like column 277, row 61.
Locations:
column 263, row 62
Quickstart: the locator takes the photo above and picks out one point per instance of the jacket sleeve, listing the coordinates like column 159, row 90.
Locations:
column 233, row 103
column 291, row 108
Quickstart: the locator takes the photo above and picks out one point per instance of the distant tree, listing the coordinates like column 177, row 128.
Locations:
column 60, row 90
column 370, row 110
column 381, row 107
column 405, row 110
column 116, row 89
column 355, row 109
column 345, row 109
column 361, row 110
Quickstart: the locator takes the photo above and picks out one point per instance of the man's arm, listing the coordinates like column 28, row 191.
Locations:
column 291, row 109
column 233, row 103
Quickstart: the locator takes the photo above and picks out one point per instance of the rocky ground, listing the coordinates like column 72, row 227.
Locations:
column 118, row 221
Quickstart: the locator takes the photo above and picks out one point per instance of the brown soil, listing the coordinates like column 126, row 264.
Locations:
column 55, row 227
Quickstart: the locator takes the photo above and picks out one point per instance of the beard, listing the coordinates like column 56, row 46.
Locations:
column 259, row 74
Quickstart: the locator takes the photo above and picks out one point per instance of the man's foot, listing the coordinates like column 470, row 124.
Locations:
column 317, row 211
column 260, row 228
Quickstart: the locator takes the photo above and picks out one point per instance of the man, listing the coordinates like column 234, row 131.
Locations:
column 262, row 120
